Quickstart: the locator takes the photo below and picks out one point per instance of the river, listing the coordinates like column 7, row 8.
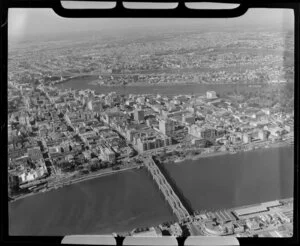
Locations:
column 228, row 181
column 112, row 203
column 129, row 199
column 172, row 89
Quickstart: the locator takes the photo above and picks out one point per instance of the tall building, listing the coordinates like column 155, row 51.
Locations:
column 90, row 105
column 89, row 101
column 139, row 115
column 166, row 127
column 203, row 133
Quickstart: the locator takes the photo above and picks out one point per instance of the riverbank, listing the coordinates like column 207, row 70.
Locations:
column 220, row 153
column 249, row 206
column 129, row 200
column 238, row 179
column 112, row 203
column 144, row 84
column 93, row 176
column 249, row 211
column 59, row 184
column 72, row 181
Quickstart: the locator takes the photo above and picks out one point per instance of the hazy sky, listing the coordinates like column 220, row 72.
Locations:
column 23, row 23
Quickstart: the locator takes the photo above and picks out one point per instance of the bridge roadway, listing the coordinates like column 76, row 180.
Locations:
column 177, row 207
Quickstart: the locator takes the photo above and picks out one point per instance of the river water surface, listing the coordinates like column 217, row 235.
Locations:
column 130, row 199
column 113, row 203
column 228, row 181
column 171, row 89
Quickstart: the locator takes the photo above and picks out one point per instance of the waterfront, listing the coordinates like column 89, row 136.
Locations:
column 228, row 181
column 110, row 203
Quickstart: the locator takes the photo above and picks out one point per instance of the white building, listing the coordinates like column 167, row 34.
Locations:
column 211, row 95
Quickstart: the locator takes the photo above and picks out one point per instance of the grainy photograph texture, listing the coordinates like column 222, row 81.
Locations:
column 151, row 127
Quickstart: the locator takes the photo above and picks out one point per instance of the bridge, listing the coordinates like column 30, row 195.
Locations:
column 176, row 205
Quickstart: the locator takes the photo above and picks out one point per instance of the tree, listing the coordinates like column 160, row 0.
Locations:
column 104, row 164
column 78, row 167
column 166, row 233
column 65, row 165
column 94, row 168
column 84, row 171
column 185, row 231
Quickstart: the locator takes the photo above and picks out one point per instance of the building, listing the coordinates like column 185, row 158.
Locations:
column 166, row 127
column 201, row 143
column 188, row 119
column 107, row 155
column 252, row 225
column 90, row 105
column 250, row 210
column 203, row 133
column 275, row 131
column 152, row 142
column 209, row 134
column 286, row 216
column 246, row 138
column 35, row 153
column 211, row 95
column 24, row 119
column 262, row 135
column 32, row 174
column 195, row 131
column 151, row 121
column 140, row 100
column 139, row 115
column 149, row 232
